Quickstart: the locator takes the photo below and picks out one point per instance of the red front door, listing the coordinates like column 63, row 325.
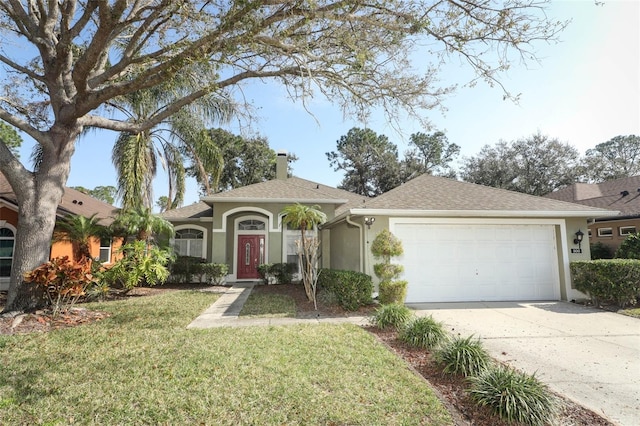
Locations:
column 250, row 255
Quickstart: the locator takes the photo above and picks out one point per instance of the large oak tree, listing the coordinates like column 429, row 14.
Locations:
column 62, row 62
column 536, row 165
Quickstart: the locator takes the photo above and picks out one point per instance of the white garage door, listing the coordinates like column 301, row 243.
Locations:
column 468, row 262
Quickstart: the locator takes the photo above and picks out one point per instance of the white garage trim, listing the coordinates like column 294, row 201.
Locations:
column 534, row 230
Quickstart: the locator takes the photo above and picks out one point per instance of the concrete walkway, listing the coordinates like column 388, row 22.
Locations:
column 225, row 312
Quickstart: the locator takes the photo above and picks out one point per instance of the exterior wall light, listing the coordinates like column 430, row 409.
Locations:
column 578, row 239
column 369, row 221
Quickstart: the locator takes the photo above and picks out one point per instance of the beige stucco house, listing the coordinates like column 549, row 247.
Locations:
column 462, row 242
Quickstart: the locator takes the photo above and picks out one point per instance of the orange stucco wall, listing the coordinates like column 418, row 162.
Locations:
column 65, row 249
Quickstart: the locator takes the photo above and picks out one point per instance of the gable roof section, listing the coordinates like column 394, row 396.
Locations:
column 194, row 211
column 606, row 195
column 431, row 195
column 288, row 190
column 73, row 202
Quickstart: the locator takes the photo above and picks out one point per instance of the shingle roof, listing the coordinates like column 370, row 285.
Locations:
column 607, row 195
column 427, row 192
column 73, row 201
column 291, row 189
column 193, row 211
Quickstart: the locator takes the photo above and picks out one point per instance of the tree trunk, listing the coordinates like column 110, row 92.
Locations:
column 38, row 195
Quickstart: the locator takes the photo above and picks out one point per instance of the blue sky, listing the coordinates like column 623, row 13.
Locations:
column 585, row 91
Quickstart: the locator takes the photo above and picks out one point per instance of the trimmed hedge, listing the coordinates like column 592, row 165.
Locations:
column 188, row 269
column 351, row 289
column 278, row 273
column 615, row 281
column 392, row 291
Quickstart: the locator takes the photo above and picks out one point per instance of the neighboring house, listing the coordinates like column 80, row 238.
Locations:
column 622, row 195
column 73, row 202
column 462, row 242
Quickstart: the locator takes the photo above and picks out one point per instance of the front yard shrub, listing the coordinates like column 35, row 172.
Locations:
column 393, row 291
column 514, row 396
column 424, row 332
column 392, row 316
column 600, row 251
column 277, row 273
column 630, row 247
column 283, row 272
column 464, row 356
column 385, row 246
column 215, row 272
column 615, row 281
column 63, row 281
column 140, row 265
column 185, row 267
column 351, row 289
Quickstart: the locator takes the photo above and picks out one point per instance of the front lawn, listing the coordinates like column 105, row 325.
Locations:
column 141, row 366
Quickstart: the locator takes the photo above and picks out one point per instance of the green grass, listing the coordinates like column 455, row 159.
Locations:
column 269, row 305
column 141, row 366
column 635, row 312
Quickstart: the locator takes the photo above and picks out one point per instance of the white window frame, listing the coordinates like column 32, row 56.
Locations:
column 627, row 230
column 601, row 232
column 108, row 250
column 197, row 228
column 12, row 229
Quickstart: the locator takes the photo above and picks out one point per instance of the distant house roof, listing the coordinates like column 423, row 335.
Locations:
column 622, row 195
column 73, row 202
column 427, row 194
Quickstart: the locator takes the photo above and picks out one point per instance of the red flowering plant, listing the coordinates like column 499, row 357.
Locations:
column 64, row 282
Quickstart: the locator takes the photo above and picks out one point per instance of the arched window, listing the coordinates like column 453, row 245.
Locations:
column 251, row 225
column 188, row 242
column 7, row 239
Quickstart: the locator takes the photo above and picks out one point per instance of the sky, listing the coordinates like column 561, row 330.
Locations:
column 585, row 91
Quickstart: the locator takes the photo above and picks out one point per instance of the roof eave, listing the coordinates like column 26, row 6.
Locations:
column 249, row 200
column 475, row 213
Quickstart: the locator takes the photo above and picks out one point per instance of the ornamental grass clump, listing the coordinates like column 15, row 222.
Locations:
column 424, row 332
column 392, row 316
column 463, row 356
column 514, row 396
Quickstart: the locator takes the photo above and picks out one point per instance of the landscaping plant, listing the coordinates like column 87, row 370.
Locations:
column 464, row 356
column 424, row 332
column 63, row 281
column 350, row 289
column 140, row 265
column 385, row 246
column 514, row 396
column 392, row 316
column 614, row 281
column 630, row 247
column 306, row 218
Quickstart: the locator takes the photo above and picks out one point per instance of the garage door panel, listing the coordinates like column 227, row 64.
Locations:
column 451, row 262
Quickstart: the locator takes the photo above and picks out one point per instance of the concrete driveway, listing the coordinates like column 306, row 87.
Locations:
column 587, row 355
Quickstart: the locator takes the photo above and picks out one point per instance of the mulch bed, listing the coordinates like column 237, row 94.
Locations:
column 450, row 389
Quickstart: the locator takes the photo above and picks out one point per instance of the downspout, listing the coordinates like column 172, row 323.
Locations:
column 348, row 220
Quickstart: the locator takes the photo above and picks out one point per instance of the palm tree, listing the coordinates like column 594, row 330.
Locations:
column 180, row 138
column 141, row 223
column 300, row 216
column 79, row 230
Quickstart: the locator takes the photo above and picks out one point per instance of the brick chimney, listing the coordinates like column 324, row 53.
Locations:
column 281, row 165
